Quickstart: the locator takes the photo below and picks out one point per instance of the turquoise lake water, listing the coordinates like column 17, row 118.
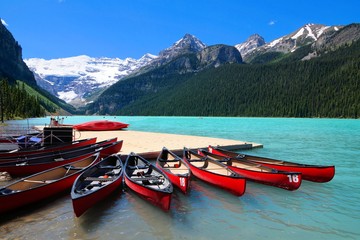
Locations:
column 315, row 211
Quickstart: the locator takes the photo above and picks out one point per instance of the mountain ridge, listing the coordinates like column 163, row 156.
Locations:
column 285, row 85
column 307, row 34
column 253, row 50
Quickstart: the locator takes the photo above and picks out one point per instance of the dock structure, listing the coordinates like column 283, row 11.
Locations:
column 149, row 144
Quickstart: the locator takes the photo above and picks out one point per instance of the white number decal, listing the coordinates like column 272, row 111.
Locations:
column 293, row 178
column 182, row 182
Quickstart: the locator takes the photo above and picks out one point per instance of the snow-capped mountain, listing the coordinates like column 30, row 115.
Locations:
column 307, row 34
column 252, row 43
column 73, row 78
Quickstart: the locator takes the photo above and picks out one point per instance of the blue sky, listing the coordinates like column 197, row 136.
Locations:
column 130, row 28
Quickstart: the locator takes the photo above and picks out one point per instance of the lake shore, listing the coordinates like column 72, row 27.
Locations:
column 152, row 142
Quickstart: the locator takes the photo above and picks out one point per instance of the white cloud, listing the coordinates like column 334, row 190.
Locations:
column 272, row 22
column 3, row 22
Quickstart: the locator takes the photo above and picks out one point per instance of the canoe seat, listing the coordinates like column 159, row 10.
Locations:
column 39, row 181
column 197, row 160
column 73, row 167
column 98, row 179
column 138, row 167
column 146, row 178
column 108, row 167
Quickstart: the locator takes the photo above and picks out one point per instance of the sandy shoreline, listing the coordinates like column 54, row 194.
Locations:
column 143, row 142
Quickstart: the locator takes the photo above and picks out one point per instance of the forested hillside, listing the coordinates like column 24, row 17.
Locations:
column 19, row 94
column 327, row 86
column 15, row 101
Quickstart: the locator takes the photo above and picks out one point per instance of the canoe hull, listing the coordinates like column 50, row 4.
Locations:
column 82, row 204
column 175, row 168
column 182, row 182
column 29, row 153
column 96, row 183
column 311, row 173
column 148, row 181
column 157, row 198
column 12, row 202
column 22, row 170
column 101, row 125
column 314, row 173
column 64, row 153
column 235, row 185
column 289, row 180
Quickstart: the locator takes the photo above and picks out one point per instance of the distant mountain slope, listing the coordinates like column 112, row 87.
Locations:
column 75, row 78
column 323, row 86
column 324, row 54
column 327, row 86
column 163, row 78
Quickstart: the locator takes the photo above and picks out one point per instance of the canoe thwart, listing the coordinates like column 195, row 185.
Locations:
column 174, row 160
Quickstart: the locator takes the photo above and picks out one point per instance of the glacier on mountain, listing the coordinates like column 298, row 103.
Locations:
column 72, row 78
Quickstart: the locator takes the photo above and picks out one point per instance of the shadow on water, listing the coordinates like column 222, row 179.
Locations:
column 204, row 194
column 151, row 221
column 90, row 223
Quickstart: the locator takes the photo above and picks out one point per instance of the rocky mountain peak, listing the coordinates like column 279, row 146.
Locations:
column 253, row 42
column 188, row 44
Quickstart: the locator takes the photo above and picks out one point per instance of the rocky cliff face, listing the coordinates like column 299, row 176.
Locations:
column 12, row 65
column 335, row 39
column 217, row 55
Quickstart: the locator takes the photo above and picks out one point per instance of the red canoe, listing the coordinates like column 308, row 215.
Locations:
column 175, row 168
column 100, row 125
column 59, row 154
column 97, row 183
column 215, row 173
column 259, row 173
column 314, row 173
column 148, row 181
column 61, row 147
column 42, row 185
column 32, row 166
